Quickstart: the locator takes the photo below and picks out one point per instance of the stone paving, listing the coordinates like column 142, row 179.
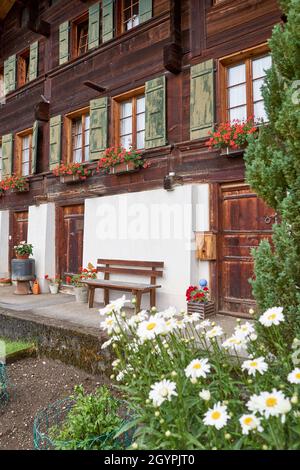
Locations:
column 62, row 307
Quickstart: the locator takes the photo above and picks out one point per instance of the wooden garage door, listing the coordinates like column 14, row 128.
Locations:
column 70, row 236
column 245, row 220
column 18, row 230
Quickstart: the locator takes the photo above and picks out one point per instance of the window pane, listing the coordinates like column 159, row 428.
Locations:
column 126, row 141
column 259, row 111
column 259, row 66
column 126, row 109
column 0, row 162
column 238, row 113
column 237, row 96
column 77, row 156
column 87, row 121
column 257, row 84
column 126, row 126
column 25, row 169
column 140, row 104
column 236, row 75
column 140, row 122
column 140, row 140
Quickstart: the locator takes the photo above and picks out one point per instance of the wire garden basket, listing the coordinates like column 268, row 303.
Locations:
column 53, row 417
column 4, row 395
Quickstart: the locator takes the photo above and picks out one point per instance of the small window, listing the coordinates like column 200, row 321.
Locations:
column 80, row 36
column 130, row 14
column 130, row 121
column 1, row 83
column 0, row 160
column 78, row 131
column 23, row 68
column 24, row 153
column 244, row 82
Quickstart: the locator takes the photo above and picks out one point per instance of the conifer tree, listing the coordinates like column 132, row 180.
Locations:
column 273, row 171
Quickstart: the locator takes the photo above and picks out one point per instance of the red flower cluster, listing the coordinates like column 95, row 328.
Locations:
column 195, row 294
column 113, row 156
column 19, row 183
column 72, row 169
column 84, row 275
column 233, row 135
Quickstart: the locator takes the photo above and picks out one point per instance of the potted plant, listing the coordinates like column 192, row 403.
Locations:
column 23, row 250
column 198, row 301
column 54, row 284
column 231, row 137
column 72, row 172
column 118, row 160
column 76, row 280
column 14, row 184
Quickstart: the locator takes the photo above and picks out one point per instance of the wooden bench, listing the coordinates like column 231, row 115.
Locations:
column 151, row 269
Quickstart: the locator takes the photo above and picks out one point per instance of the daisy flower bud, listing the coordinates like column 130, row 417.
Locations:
column 133, row 301
column 147, row 401
column 153, row 309
column 174, row 373
column 156, row 414
column 294, row 399
column 161, row 421
column 193, row 380
column 251, row 311
column 205, row 395
column 123, row 315
column 134, row 445
column 249, row 381
column 264, row 447
column 227, row 436
column 114, row 345
column 168, row 433
column 112, row 377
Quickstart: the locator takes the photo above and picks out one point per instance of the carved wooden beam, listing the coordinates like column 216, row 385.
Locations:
column 94, row 86
column 40, row 27
column 173, row 51
column 42, row 111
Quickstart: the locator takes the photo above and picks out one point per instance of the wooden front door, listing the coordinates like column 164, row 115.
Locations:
column 70, row 238
column 245, row 220
column 18, row 230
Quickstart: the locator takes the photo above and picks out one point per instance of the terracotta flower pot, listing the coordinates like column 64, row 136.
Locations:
column 22, row 256
column 126, row 167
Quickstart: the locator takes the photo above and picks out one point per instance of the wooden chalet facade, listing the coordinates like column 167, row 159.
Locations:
column 78, row 76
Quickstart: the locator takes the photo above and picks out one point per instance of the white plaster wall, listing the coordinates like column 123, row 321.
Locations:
column 155, row 225
column 41, row 233
column 4, row 243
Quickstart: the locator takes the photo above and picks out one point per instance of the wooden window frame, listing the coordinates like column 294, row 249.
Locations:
column 117, row 101
column 18, row 151
column 21, row 57
column 121, row 17
column 74, row 34
column 68, row 122
column 2, row 75
column 242, row 57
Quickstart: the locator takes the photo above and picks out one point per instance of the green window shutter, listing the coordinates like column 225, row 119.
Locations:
column 98, row 127
column 33, row 60
column 34, row 147
column 145, row 10
column 64, row 43
column 202, row 100
column 10, row 74
column 55, row 142
column 7, row 155
column 107, row 20
column 155, row 133
column 94, row 25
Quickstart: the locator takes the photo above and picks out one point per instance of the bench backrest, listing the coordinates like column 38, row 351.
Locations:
column 152, row 269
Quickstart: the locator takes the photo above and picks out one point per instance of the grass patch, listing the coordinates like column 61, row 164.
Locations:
column 12, row 346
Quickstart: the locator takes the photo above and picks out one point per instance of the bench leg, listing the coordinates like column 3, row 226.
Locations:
column 152, row 298
column 138, row 302
column 106, row 297
column 91, row 297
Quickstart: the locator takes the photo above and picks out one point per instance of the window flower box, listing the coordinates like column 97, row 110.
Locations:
column 14, row 184
column 232, row 137
column 118, row 160
column 70, row 179
column 230, row 152
column 122, row 168
column 72, row 173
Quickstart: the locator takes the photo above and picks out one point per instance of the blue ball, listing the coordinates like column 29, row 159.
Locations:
column 203, row 283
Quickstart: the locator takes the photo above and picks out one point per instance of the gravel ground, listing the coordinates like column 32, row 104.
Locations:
column 35, row 383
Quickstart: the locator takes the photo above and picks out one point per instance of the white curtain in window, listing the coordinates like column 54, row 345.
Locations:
column 77, row 141
column 26, row 156
column 140, row 122
column 126, row 124
column 87, row 137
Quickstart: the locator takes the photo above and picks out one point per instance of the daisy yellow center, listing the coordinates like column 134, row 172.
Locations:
column 151, row 326
column 216, row 415
column 271, row 402
column 109, row 322
column 197, row 366
column 253, row 364
column 165, row 392
column 272, row 316
column 248, row 421
column 298, row 375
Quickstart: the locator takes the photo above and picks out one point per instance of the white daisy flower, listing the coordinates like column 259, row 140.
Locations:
column 205, row 395
column 148, row 329
column 106, row 344
column 162, row 391
column 204, row 324
column 168, row 313
column 214, row 332
column 216, row 416
column 109, row 325
column 234, row 343
column 244, row 330
column 272, row 316
column 269, row 403
column 250, row 423
column 294, row 376
column 197, row 368
column 255, row 365
column 120, row 376
column 180, row 324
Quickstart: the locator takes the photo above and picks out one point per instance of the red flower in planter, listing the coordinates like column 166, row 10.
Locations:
column 232, row 135
column 196, row 294
column 113, row 156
